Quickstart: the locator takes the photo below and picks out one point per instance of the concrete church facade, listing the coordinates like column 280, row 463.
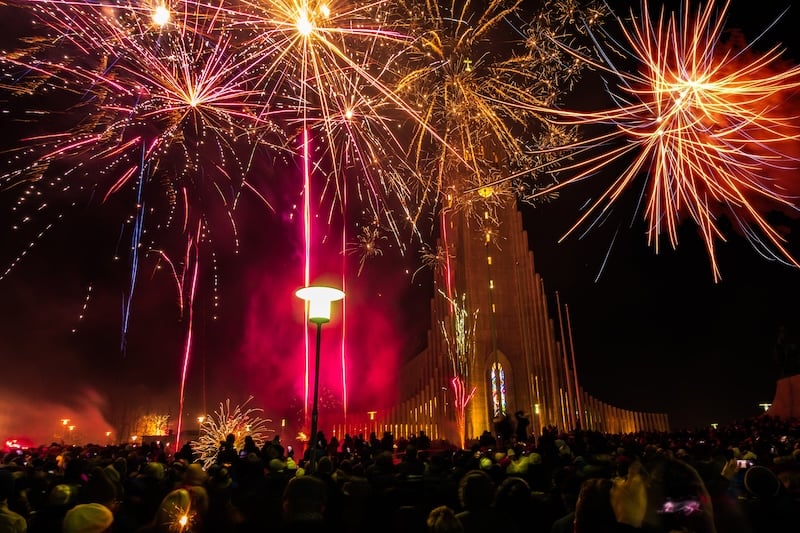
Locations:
column 518, row 362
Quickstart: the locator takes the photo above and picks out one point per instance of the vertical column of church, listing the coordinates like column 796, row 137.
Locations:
column 612, row 420
column 615, row 420
column 568, row 397
column 587, row 411
column 547, row 407
column 584, row 408
column 548, row 388
column 539, row 350
column 597, row 415
column 529, row 278
column 523, row 274
column 600, row 415
column 554, row 364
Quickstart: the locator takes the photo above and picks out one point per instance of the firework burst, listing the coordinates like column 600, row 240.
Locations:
column 476, row 75
column 709, row 128
column 241, row 421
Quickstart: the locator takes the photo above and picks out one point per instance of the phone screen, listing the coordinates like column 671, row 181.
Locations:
column 686, row 507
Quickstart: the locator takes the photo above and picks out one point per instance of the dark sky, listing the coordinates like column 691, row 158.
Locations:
column 652, row 332
column 655, row 332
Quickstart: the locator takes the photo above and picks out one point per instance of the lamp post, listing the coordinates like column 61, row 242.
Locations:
column 319, row 312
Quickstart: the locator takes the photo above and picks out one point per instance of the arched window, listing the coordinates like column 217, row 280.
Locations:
column 497, row 384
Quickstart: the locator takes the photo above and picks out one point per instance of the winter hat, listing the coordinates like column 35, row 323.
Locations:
column 88, row 518
column 276, row 465
column 60, row 495
column 761, row 482
column 154, row 470
column 195, row 475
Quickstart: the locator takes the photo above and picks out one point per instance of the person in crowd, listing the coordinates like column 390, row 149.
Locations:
column 49, row 518
column 568, row 487
column 523, row 422
column 442, row 519
column 173, row 514
column 503, row 430
column 228, row 454
column 88, row 518
column 678, row 499
column 304, row 506
column 10, row 521
column 768, row 505
column 693, row 479
column 476, row 493
column 513, row 500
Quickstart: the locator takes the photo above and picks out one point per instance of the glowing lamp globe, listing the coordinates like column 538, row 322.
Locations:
column 319, row 302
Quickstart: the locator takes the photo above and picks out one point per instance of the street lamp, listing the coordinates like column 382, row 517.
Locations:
column 319, row 312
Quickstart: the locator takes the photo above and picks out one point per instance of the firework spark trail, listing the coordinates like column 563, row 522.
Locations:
column 136, row 241
column 325, row 74
column 459, row 334
column 170, row 91
column 480, row 78
column 211, row 73
column 350, row 77
column 193, row 262
column 344, row 58
column 709, row 125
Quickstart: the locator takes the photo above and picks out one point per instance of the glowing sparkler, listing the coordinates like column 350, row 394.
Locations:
column 710, row 126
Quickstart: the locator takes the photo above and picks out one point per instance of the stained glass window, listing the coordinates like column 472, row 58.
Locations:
column 498, row 386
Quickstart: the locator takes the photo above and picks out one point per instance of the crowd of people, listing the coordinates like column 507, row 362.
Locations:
column 743, row 478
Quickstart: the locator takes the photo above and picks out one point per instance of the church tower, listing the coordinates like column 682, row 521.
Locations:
column 516, row 359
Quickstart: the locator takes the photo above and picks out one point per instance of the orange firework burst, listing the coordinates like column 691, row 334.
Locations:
column 709, row 124
column 483, row 99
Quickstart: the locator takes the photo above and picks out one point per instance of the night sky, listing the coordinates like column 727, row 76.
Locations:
column 652, row 332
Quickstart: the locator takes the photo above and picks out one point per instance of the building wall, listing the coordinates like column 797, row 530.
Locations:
column 496, row 273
